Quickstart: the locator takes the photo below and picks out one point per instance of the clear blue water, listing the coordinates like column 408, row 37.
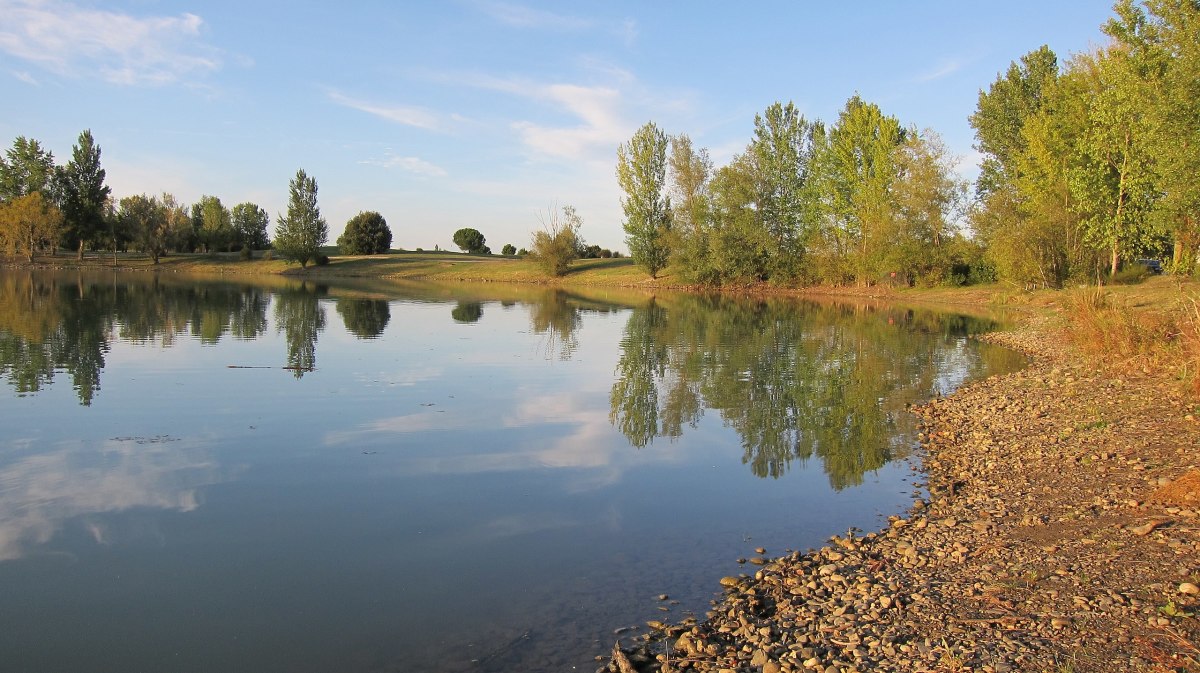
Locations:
column 203, row 476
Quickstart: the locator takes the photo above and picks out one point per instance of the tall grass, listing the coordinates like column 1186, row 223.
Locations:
column 1127, row 337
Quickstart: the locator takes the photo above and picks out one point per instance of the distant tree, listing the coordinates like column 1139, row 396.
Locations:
column 250, row 225
column 27, row 168
column 522, row 252
column 83, row 194
column 508, row 249
column 366, row 233
column 27, row 223
column 213, row 224
column 300, row 234
column 557, row 244
column 179, row 223
column 470, row 241
column 145, row 219
column 642, row 174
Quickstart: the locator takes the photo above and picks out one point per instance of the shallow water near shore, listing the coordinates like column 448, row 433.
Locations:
column 199, row 475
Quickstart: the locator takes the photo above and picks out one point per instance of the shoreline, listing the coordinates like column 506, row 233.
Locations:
column 1061, row 533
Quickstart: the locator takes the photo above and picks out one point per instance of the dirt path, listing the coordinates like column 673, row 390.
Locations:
column 1061, row 534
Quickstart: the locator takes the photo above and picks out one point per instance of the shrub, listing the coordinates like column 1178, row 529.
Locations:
column 557, row 245
column 367, row 233
column 246, row 254
column 322, row 260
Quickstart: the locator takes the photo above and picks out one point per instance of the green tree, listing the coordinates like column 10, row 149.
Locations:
column 29, row 222
column 783, row 152
column 928, row 197
column 690, row 172
column 250, row 225
column 1112, row 178
column 366, row 233
column 83, row 194
column 737, row 248
column 508, row 249
column 557, row 244
column 856, row 174
column 641, row 172
column 213, row 224
column 146, row 219
column 26, row 168
column 1163, row 39
column 1002, row 112
column 300, row 234
column 471, row 241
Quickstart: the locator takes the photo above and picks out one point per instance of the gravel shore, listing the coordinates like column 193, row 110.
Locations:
column 1061, row 533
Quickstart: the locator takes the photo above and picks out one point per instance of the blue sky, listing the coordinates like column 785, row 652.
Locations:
column 478, row 113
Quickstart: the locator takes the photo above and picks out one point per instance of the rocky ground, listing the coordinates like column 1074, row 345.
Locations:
column 1061, row 533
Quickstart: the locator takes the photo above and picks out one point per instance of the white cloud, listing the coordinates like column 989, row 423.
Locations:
column 597, row 107
column 122, row 49
column 407, row 115
column 944, row 69
column 410, row 164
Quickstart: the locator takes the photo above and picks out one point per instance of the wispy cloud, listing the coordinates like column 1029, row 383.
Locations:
column 521, row 16
column 410, row 164
column 597, row 107
column 598, row 110
column 25, row 77
column 120, row 48
column 943, row 69
column 408, row 115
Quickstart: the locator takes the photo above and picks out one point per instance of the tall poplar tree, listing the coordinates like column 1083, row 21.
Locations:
column 783, row 151
column 300, row 234
column 642, row 174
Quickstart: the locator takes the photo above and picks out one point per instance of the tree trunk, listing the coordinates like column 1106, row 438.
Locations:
column 80, row 257
column 1115, row 260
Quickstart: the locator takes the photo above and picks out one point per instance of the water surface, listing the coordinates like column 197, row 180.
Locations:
column 200, row 476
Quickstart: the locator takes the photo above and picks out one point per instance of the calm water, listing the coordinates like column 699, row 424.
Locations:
column 200, row 476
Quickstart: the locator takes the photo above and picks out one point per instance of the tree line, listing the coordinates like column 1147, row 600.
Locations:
column 1085, row 166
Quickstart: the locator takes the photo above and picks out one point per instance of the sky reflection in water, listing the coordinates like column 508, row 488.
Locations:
column 207, row 476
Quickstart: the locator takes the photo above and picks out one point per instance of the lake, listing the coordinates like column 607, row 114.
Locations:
column 278, row 475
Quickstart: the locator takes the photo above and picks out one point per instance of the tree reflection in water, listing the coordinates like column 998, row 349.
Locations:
column 300, row 317
column 795, row 380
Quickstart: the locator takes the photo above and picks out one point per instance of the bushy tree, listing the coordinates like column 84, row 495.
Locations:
column 26, row 168
column 366, row 233
column 83, row 194
column 145, row 218
column 642, row 175
column 300, row 234
column 508, row 249
column 471, row 241
column 556, row 245
column 250, row 225
column 213, row 224
column 29, row 222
